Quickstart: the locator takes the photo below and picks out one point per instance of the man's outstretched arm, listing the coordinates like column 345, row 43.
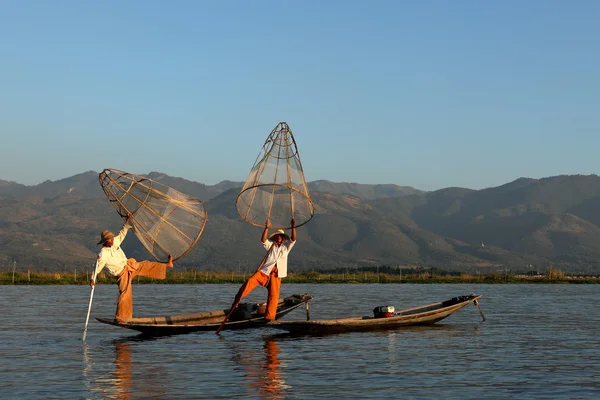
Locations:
column 266, row 231
column 123, row 232
column 293, row 224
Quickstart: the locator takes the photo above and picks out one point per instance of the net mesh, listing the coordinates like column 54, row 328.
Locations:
column 276, row 187
column 166, row 221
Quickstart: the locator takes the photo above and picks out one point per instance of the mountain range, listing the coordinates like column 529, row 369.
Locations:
column 527, row 224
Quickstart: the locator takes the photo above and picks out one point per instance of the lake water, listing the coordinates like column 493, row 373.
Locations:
column 538, row 342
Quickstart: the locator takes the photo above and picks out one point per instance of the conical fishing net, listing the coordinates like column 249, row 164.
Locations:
column 276, row 187
column 166, row 221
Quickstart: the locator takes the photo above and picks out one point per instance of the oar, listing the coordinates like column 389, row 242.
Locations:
column 236, row 304
column 87, row 319
column 480, row 312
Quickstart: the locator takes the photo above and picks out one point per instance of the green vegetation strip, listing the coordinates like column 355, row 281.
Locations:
column 208, row 277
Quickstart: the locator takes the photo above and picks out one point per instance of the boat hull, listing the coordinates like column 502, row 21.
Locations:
column 246, row 316
column 424, row 315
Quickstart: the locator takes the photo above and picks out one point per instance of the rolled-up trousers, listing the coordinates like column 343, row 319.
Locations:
column 273, row 284
column 132, row 269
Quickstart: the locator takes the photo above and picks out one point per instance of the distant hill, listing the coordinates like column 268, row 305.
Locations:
column 362, row 191
column 527, row 223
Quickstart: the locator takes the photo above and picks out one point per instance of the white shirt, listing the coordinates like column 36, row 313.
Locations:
column 279, row 256
column 113, row 258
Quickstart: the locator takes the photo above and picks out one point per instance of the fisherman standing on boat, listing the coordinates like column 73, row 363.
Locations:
column 113, row 258
column 272, row 270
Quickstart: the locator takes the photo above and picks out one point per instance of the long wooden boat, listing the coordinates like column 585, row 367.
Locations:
column 423, row 315
column 247, row 315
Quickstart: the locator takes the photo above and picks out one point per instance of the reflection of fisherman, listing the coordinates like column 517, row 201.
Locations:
column 131, row 378
column 263, row 372
column 274, row 383
column 123, row 372
column 119, row 385
column 113, row 258
column 272, row 270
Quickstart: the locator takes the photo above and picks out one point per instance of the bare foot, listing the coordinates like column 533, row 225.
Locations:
column 170, row 262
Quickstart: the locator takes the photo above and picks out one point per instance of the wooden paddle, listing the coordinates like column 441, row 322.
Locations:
column 480, row 312
column 234, row 306
column 89, row 306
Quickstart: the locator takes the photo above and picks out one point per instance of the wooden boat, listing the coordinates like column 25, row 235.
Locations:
column 247, row 315
column 423, row 315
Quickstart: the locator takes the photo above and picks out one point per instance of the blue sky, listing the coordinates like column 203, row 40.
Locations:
column 427, row 94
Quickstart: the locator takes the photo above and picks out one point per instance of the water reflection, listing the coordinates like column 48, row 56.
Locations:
column 98, row 384
column 552, row 353
column 262, row 370
column 122, row 372
column 116, row 381
column 283, row 336
column 274, row 382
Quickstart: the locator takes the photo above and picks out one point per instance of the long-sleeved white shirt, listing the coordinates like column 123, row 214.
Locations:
column 278, row 256
column 113, row 258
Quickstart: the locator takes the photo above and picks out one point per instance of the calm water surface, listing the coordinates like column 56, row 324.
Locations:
column 538, row 342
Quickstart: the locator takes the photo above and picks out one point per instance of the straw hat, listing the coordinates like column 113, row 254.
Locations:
column 105, row 235
column 279, row 232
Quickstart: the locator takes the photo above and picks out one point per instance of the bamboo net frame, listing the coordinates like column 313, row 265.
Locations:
column 166, row 221
column 276, row 187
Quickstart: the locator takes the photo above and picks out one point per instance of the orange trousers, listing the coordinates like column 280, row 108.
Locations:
column 273, row 284
column 132, row 269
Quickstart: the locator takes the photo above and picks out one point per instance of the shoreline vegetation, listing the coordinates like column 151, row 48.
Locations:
column 75, row 277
